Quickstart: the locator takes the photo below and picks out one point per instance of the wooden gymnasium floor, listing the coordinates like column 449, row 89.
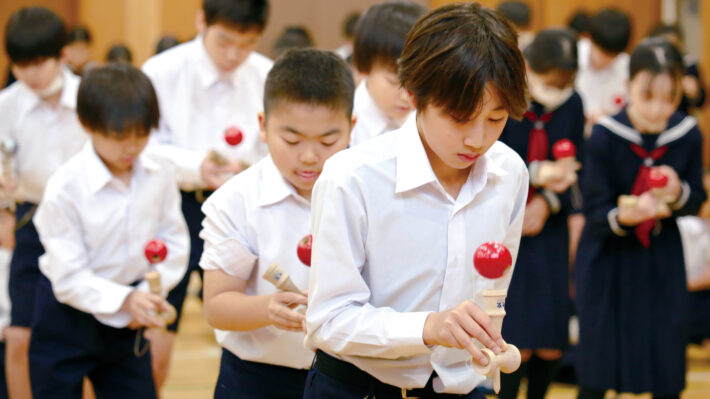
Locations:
column 195, row 364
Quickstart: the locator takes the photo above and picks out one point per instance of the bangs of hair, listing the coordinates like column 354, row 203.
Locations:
column 116, row 100
column 658, row 56
column 243, row 15
column 380, row 34
column 454, row 53
column 310, row 76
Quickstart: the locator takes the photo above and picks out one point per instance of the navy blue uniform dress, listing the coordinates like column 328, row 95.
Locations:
column 631, row 299
column 538, row 306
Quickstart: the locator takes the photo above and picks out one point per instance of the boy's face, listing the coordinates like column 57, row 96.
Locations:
column 118, row 154
column 458, row 144
column 77, row 54
column 301, row 137
column 384, row 88
column 38, row 75
column 229, row 47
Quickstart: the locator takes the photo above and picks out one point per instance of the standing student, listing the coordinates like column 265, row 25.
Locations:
column 381, row 104
column 206, row 86
column 538, row 306
column 518, row 13
column 39, row 115
column 394, row 302
column 630, row 280
column 603, row 65
column 258, row 218
column 98, row 212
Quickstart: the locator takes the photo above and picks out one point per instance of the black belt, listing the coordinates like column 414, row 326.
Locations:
column 349, row 374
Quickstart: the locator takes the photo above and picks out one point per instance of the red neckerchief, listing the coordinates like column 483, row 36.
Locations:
column 538, row 144
column 643, row 229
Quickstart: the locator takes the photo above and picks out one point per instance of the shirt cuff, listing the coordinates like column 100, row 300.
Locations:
column 683, row 198
column 533, row 170
column 614, row 223
column 408, row 330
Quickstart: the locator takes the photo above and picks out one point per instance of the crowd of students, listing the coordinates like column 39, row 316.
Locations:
column 448, row 141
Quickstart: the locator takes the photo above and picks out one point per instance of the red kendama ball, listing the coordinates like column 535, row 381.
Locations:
column 564, row 148
column 155, row 251
column 304, row 250
column 233, row 136
column 492, row 259
column 657, row 179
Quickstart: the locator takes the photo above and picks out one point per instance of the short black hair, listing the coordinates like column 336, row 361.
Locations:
column 116, row 100
column 349, row 25
column 666, row 29
column 166, row 42
column 454, row 52
column 517, row 12
column 292, row 37
column 119, row 53
column 610, row 29
column 310, row 76
column 380, row 34
column 34, row 33
column 579, row 22
column 552, row 49
column 79, row 34
column 658, row 56
column 241, row 14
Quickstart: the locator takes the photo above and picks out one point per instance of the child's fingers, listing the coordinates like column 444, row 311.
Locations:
column 285, row 323
column 473, row 330
column 486, row 323
column 465, row 342
column 285, row 313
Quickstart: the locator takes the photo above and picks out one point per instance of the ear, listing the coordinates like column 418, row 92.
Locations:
column 353, row 122
column 262, row 126
column 412, row 99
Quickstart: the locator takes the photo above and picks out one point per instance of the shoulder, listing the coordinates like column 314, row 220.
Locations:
column 257, row 65
column 67, row 181
column 170, row 62
column 243, row 188
column 507, row 159
column 363, row 158
column 10, row 94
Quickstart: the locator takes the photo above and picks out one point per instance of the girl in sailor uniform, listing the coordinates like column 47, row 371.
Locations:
column 630, row 277
column 538, row 306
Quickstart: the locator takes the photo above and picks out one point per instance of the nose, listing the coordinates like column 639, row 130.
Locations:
column 309, row 156
column 475, row 137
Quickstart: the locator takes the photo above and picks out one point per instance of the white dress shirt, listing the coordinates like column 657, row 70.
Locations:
column 391, row 246
column 695, row 236
column 5, row 258
column 371, row 121
column 94, row 229
column 198, row 104
column 603, row 90
column 46, row 135
column 252, row 221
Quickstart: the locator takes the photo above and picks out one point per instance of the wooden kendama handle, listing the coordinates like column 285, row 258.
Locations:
column 279, row 278
column 153, row 278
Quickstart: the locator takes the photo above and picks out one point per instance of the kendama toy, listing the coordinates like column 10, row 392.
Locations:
column 156, row 252
column 492, row 260
column 565, row 166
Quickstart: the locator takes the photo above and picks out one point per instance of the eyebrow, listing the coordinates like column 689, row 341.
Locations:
column 294, row 131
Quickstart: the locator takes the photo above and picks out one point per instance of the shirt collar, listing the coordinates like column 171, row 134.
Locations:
column 67, row 98
column 413, row 167
column 274, row 188
column 373, row 119
column 207, row 71
column 98, row 175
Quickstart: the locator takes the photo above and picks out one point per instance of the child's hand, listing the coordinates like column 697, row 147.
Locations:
column 673, row 189
column 6, row 186
column 691, row 86
column 457, row 327
column 536, row 213
column 144, row 308
column 7, row 229
column 215, row 174
column 646, row 208
column 281, row 313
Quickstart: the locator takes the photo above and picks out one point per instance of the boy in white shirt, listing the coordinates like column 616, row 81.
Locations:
column 98, row 212
column 603, row 65
column 205, row 87
column 39, row 115
column 394, row 301
column 260, row 216
column 381, row 104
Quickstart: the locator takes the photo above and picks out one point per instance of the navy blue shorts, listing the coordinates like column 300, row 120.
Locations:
column 251, row 380
column 24, row 267
column 191, row 210
column 68, row 345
